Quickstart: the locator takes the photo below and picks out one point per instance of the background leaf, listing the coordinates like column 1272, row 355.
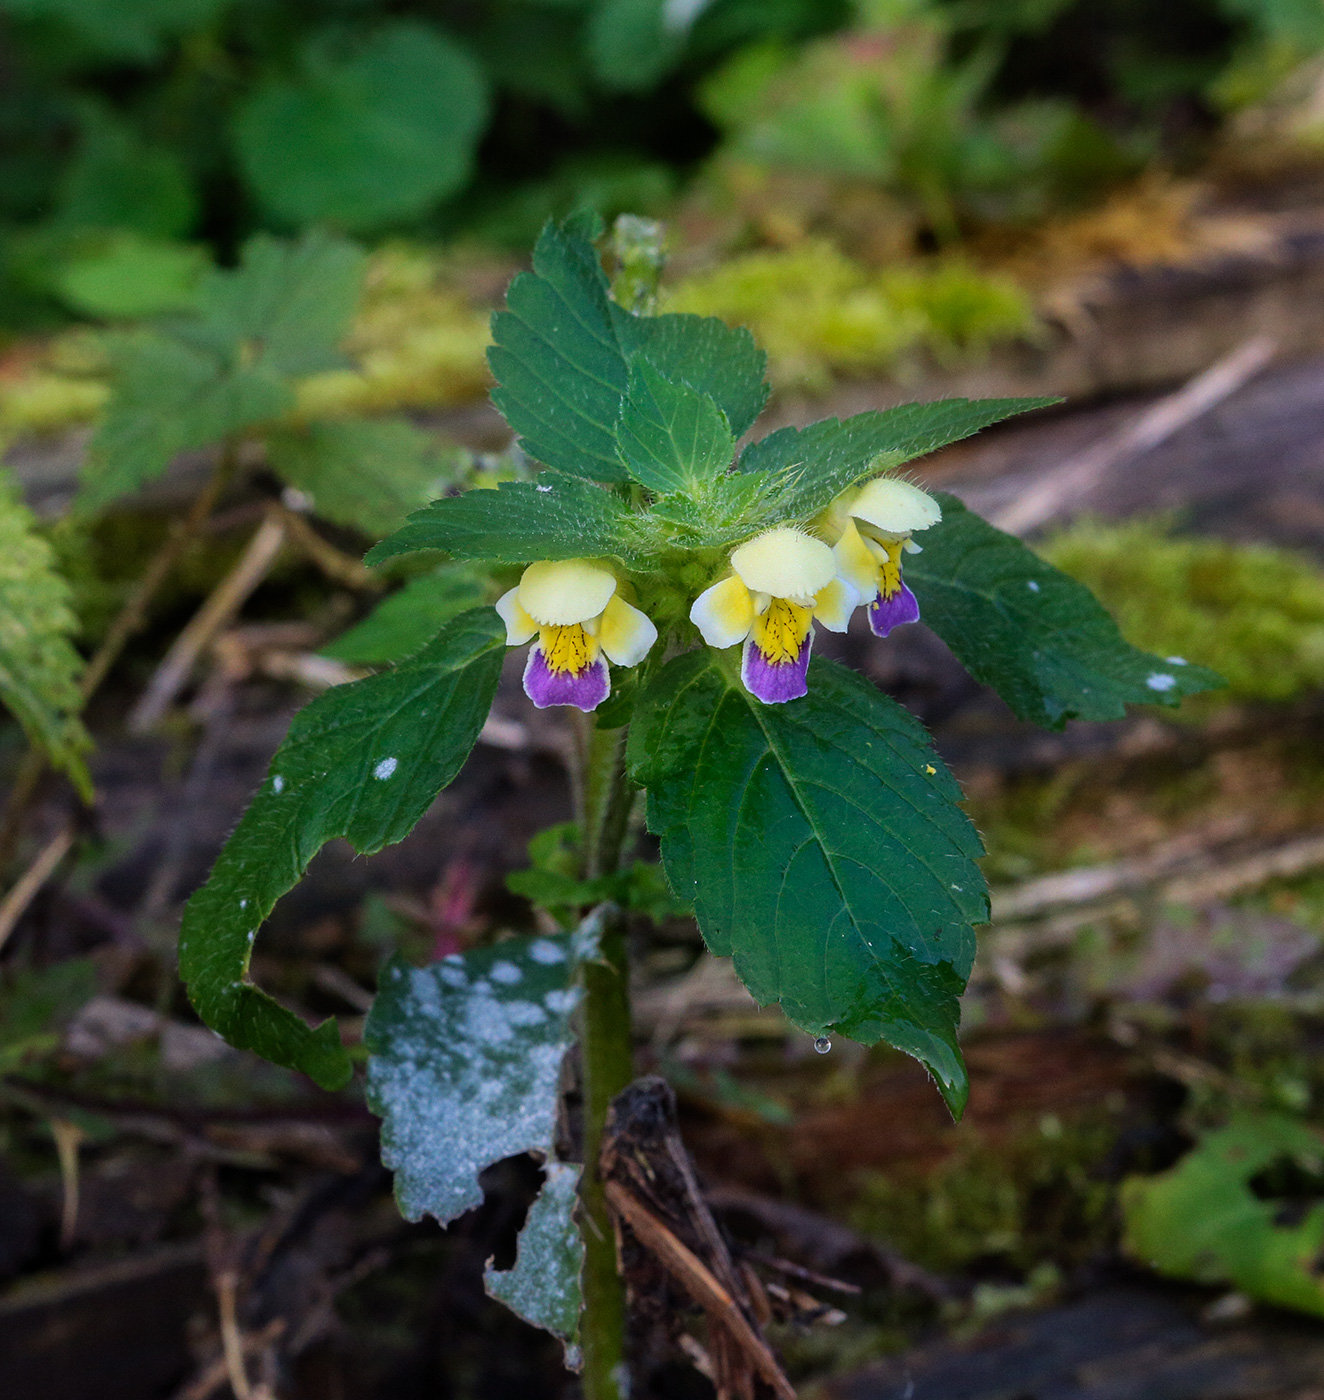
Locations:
column 363, row 761
column 465, row 1063
column 556, row 517
column 130, row 278
column 544, row 1287
column 39, row 667
column 409, row 618
column 1039, row 638
column 1201, row 1220
column 632, row 43
column 368, row 135
column 167, row 397
column 288, row 304
column 367, row 474
column 822, row 460
column 824, row 849
column 671, row 437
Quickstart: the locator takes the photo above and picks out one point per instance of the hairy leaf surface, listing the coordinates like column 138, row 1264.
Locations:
column 39, row 667
column 556, row 517
column 671, row 437
column 1039, row 638
column 824, row 849
column 363, row 761
column 409, row 618
column 465, row 1063
column 563, row 351
column 827, row 457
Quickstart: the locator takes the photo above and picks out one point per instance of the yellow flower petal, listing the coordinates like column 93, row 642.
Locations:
column 895, row 507
column 834, row 605
column 625, row 633
column 785, row 562
column 856, row 563
column 520, row 627
column 723, row 613
column 565, row 591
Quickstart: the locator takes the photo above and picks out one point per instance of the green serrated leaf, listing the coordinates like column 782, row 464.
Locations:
column 545, row 1286
column 367, row 474
column 671, row 437
column 287, row 306
column 465, row 1063
column 563, row 351
column 168, row 397
column 556, row 517
column 365, row 135
column 1201, row 1220
column 721, row 361
column 410, row 617
column 1039, row 638
column 560, row 371
column 363, row 761
column 824, row 459
column 824, row 849
column 38, row 664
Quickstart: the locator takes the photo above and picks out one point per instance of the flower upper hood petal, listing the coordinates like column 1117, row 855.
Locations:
column 895, row 507
column 565, row 591
column 785, row 563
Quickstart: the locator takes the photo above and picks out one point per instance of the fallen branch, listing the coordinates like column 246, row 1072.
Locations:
column 226, row 599
column 697, row 1280
column 29, row 884
column 1068, row 484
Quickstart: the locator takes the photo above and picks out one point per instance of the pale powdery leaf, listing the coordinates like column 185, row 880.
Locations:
column 545, row 1286
column 465, row 1063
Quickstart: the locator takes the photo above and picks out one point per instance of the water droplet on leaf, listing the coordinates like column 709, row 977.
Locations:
column 823, row 1044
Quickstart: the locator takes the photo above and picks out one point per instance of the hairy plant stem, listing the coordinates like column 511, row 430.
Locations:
column 608, row 1061
column 129, row 619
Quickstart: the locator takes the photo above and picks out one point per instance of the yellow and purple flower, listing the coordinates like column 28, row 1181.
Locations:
column 574, row 609
column 875, row 526
column 779, row 583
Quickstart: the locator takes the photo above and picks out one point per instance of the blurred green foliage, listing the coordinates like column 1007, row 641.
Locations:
column 176, row 121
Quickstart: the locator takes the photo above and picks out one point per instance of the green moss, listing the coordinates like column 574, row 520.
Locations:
column 1251, row 612
column 1010, row 1205
column 819, row 314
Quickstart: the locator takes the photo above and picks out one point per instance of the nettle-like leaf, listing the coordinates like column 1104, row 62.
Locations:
column 363, row 761
column 824, row 848
column 672, row 438
column 368, row 474
column 198, row 379
column 1202, row 1220
column 365, row 135
column 38, row 664
column 556, row 517
column 545, row 1286
column 563, row 351
column 465, row 1059
column 168, row 397
column 1039, row 638
column 817, row 463
column 408, row 619
column 287, row 304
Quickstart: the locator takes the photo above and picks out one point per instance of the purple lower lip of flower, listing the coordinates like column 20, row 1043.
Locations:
column 585, row 690
column 886, row 613
column 775, row 682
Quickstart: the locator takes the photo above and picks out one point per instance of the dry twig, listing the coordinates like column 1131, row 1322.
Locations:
column 29, row 884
